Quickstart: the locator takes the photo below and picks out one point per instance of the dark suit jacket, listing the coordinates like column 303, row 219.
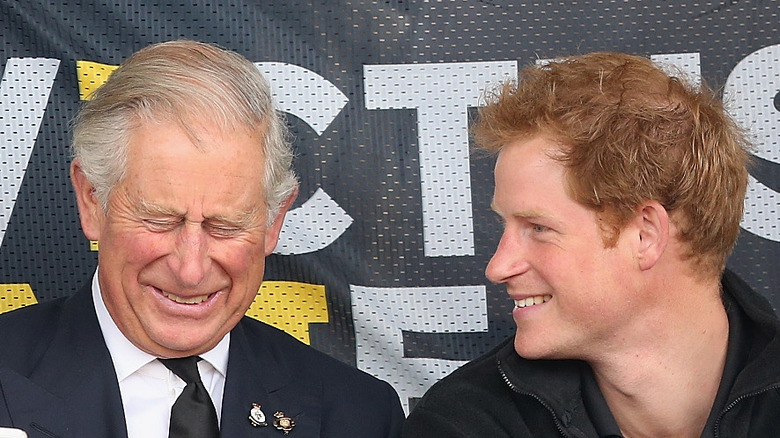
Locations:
column 57, row 380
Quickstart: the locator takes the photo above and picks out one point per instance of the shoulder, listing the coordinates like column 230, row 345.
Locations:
column 353, row 399
column 502, row 395
column 32, row 314
column 754, row 304
column 25, row 332
column 304, row 360
column 477, row 379
column 48, row 331
column 31, row 321
column 469, row 402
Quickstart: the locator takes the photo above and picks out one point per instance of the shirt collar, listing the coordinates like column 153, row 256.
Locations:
column 128, row 358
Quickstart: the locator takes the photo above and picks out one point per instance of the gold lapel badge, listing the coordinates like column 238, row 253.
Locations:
column 283, row 422
column 257, row 416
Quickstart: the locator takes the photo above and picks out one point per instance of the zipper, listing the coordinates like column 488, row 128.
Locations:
column 737, row 401
column 534, row 396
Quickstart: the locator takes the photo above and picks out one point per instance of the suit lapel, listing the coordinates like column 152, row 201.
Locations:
column 257, row 373
column 77, row 369
column 32, row 407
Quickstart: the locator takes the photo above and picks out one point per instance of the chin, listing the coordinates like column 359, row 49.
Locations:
column 535, row 350
column 191, row 345
column 527, row 351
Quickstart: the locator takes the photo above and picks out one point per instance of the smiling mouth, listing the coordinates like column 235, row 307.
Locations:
column 532, row 301
column 191, row 300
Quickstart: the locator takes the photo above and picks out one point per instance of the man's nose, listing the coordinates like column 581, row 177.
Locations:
column 192, row 254
column 509, row 260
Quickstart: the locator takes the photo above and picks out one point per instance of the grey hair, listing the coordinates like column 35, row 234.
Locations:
column 182, row 82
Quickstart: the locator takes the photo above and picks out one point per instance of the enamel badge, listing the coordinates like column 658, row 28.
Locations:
column 283, row 422
column 257, row 416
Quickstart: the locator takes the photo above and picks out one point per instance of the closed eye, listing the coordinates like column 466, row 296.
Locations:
column 224, row 231
column 160, row 226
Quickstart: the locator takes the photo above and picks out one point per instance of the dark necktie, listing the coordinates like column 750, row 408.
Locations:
column 193, row 414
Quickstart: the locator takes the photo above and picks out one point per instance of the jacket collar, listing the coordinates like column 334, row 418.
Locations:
column 556, row 384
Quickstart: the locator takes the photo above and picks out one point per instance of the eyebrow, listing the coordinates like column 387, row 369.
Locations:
column 534, row 216
column 156, row 210
column 243, row 219
column 527, row 214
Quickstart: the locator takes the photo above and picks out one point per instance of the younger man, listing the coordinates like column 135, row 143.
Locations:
column 621, row 189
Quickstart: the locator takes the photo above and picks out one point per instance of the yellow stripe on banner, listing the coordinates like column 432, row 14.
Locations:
column 16, row 295
column 290, row 306
column 91, row 76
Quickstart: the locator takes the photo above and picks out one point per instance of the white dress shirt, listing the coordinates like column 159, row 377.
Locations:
column 147, row 387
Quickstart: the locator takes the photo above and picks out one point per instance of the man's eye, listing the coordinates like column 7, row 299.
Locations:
column 539, row 228
column 224, row 231
column 159, row 225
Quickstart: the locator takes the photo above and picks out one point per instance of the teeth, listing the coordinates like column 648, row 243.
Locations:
column 530, row 301
column 180, row 300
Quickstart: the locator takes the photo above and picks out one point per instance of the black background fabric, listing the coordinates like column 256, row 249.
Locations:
column 366, row 160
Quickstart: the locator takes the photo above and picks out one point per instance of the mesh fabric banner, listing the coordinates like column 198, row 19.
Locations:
column 381, row 262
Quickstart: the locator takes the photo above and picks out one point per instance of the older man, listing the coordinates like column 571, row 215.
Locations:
column 621, row 190
column 183, row 174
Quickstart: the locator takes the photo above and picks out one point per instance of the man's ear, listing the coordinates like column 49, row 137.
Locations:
column 652, row 220
column 90, row 211
column 273, row 231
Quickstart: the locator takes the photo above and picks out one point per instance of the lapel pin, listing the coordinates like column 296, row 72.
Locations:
column 257, row 416
column 283, row 422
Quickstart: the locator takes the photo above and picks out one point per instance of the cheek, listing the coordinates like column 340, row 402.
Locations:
column 245, row 269
column 144, row 247
column 129, row 248
column 574, row 277
column 241, row 261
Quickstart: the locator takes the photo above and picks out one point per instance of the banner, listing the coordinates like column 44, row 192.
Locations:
column 381, row 261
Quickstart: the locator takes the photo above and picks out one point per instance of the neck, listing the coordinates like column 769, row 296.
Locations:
column 666, row 383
